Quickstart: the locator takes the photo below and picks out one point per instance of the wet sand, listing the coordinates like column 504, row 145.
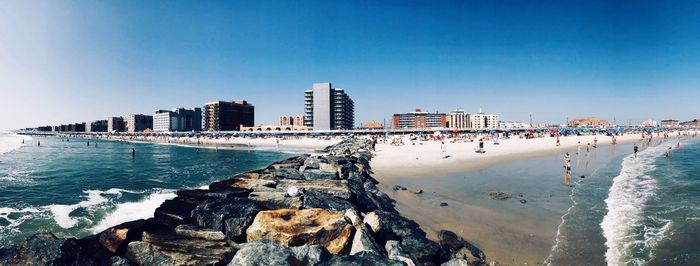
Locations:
column 509, row 232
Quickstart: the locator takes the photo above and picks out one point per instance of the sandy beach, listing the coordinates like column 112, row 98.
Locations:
column 509, row 232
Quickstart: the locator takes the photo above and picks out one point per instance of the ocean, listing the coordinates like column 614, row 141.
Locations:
column 75, row 190
column 636, row 211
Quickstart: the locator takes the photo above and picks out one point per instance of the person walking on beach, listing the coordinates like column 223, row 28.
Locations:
column 595, row 142
column 588, row 148
column 443, row 149
column 636, row 149
column 558, row 143
column 578, row 151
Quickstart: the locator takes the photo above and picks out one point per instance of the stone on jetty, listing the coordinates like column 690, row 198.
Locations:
column 392, row 226
column 335, row 188
column 362, row 259
column 314, row 199
column 39, row 249
column 395, row 252
column 174, row 212
column 298, row 227
column 244, row 183
column 317, row 174
column 264, row 253
column 272, row 200
column 194, row 231
column 363, row 241
column 459, row 247
column 165, row 248
column 117, row 238
column 197, row 196
column 231, row 216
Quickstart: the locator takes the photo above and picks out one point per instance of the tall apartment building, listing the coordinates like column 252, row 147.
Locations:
column 228, row 116
column 289, row 120
column 457, row 119
column 419, row 119
column 327, row 108
column 139, row 122
column 115, row 124
column 179, row 119
column 96, row 126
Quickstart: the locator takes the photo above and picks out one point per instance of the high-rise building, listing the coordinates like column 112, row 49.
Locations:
column 179, row 119
column 457, row 119
column 228, row 116
column 96, row 126
column 77, row 127
column 115, row 124
column 139, row 122
column 419, row 119
column 481, row 120
column 328, row 108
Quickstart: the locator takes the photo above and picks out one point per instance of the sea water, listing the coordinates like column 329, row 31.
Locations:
column 75, row 190
column 642, row 210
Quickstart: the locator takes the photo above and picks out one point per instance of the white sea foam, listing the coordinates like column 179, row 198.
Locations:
column 626, row 199
column 61, row 213
column 10, row 141
column 130, row 211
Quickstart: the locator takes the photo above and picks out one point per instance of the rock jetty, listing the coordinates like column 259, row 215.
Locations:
column 320, row 209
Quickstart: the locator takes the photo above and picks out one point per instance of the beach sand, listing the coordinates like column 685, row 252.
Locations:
column 509, row 232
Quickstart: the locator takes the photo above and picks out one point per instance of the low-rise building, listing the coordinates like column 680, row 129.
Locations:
column 373, row 125
column 292, row 120
column 419, row 119
column 649, row 123
column 669, row 123
column 179, row 119
column 139, row 122
column 457, row 119
column 482, row 120
column 588, row 122
column 513, row 125
column 691, row 123
column 267, row 128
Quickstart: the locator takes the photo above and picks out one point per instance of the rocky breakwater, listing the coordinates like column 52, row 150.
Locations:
column 319, row 209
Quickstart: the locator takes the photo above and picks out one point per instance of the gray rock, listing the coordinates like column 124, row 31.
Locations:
column 456, row 262
column 264, row 253
column 454, row 244
column 353, row 217
column 231, row 215
column 361, row 259
column 317, row 174
column 499, row 195
column 166, row 248
column 272, row 200
column 363, row 241
column 310, row 254
column 395, row 252
column 174, row 212
column 314, row 199
column 38, row 249
column 116, row 238
column 198, row 196
column 392, row 226
column 194, row 231
column 312, row 163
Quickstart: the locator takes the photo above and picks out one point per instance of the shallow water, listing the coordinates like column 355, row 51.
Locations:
column 73, row 189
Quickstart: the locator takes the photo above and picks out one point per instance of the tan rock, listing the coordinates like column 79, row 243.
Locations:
column 333, row 187
column 289, row 227
column 275, row 200
column 112, row 238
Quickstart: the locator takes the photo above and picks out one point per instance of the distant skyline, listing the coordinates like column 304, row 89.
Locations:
column 80, row 61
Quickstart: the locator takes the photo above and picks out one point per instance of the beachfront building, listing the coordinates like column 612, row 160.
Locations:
column 649, row 123
column 327, row 108
column 457, row 119
column 292, row 120
column 228, row 116
column 419, row 119
column 513, row 125
column 588, row 122
column 373, row 125
column 691, row 123
column 138, row 122
column 268, row 128
column 482, row 120
column 179, row 119
column 77, row 127
column 115, row 124
column 669, row 123
column 96, row 126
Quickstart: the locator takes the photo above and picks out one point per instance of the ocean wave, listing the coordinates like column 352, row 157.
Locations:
column 130, row 211
column 61, row 213
column 10, row 141
column 625, row 202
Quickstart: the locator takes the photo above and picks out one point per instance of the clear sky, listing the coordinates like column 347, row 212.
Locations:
column 76, row 61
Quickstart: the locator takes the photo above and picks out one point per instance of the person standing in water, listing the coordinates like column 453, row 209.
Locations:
column 558, row 143
column 579, row 148
column 588, row 148
column 133, row 152
column 636, row 149
column 38, row 143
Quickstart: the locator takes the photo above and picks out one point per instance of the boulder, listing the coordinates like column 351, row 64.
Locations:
column 454, row 244
column 38, row 249
column 285, row 173
column 456, row 262
column 395, row 252
column 166, row 248
column 189, row 230
column 231, row 216
column 197, row 196
column 499, row 195
column 298, row 227
column 335, row 188
column 361, row 259
column 379, row 198
column 359, row 195
column 117, row 238
column 353, row 217
column 244, row 183
column 392, row 226
column 310, row 254
column 272, row 200
column 314, row 199
column 317, row 174
column 264, row 253
column 312, row 163
column 363, row 241
column 174, row 212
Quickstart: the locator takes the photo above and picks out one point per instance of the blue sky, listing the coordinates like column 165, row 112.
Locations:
column 74, row 61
